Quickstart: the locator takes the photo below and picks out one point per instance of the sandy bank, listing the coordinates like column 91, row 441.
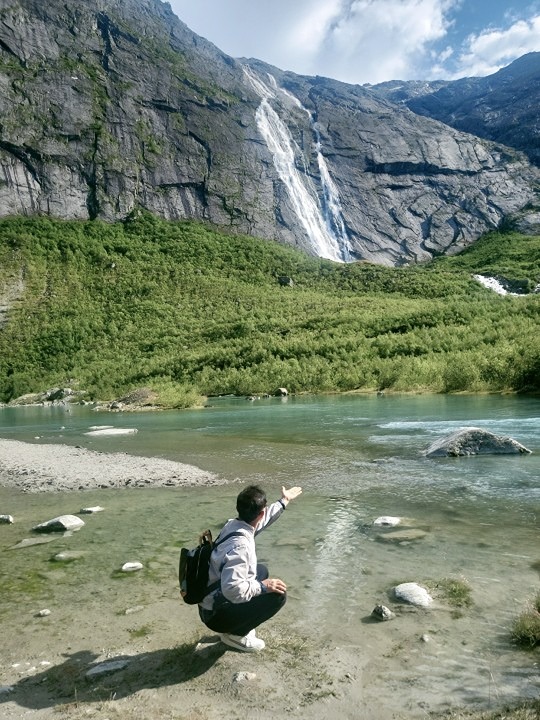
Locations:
column 48, row 468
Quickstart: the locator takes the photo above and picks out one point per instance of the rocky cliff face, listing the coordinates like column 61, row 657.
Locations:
column 111, row 105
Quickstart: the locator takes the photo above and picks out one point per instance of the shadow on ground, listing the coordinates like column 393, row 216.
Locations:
column 69, row 682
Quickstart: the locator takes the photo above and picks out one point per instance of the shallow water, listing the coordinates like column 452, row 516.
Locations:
column 357, row 457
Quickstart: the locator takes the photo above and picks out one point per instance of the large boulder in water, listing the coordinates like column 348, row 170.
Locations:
column 474, row 441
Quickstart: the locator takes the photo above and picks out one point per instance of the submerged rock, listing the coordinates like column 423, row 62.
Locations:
column 401, row 536
column 132, row 566
column 387, row 521
column 381, row 612
column 475, row 441
column 60, row 524
column 413, row 593
column 112, row 431
column 68, row 556
column 28, row 542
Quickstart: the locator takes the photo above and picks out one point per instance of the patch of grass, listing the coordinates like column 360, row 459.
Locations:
column 455, row 591
column 143, row 631
column 523, row 711
column 526, row 627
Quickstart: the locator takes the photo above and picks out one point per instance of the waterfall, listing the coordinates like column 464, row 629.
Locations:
column 323, row 222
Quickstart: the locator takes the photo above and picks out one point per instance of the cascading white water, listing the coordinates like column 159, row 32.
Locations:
column 332, row 204
column 325, row 228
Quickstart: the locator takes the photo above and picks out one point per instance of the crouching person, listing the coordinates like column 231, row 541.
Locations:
column 244, row 595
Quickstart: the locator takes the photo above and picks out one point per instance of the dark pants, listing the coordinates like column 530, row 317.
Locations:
column 241, row 618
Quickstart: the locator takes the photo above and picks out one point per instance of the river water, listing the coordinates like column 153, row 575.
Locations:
column 357, row 457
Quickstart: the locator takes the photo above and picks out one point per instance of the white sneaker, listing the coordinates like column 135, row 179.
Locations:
column 247, row 643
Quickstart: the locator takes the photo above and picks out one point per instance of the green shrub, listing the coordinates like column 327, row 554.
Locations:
column 111, row 307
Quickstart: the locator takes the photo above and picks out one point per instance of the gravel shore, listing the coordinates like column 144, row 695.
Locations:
column 36, row 468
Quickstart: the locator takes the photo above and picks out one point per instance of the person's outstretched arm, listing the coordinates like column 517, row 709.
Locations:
column 291, row 494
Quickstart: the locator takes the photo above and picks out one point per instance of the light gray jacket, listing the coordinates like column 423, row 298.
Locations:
column 234, row 561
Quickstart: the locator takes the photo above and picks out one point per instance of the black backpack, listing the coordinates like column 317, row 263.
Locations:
column 193, row 568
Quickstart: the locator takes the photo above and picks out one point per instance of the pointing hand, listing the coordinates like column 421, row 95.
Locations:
column 291, row 494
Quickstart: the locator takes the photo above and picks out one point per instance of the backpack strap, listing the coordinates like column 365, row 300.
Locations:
column 214, row 586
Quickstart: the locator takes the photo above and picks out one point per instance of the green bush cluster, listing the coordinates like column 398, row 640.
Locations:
column 190, row 311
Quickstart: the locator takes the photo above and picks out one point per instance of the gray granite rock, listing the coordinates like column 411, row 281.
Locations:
column 475, row 441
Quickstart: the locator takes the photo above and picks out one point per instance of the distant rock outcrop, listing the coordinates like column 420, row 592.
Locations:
column 502, row 107
column 475, row 441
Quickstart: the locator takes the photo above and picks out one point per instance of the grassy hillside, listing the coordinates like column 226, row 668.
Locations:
column 186, row 310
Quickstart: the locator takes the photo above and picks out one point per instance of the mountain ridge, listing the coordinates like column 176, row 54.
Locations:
column 113, row 105
column 502, row 107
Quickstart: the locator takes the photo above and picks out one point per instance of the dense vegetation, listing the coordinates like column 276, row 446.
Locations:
column 185, row 309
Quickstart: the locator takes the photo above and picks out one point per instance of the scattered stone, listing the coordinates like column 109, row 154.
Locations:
column 387, row 521
column 60, row 524
column 475, row 441
column 282, row 392
column 43, row 613
column 68, row 556
column 413, row 593
column 6, row 520
column 132, row 566
column 402, row 536
column 381, row 612
column 425, row 638
column 244, row 676
column 106, row 668
column 135, row 609
column 91, row 510
column 204, row 647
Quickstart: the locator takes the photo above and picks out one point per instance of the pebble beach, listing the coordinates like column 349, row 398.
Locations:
column 34, row 468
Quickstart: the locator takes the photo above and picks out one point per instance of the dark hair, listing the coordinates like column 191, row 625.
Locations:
column 250, row 502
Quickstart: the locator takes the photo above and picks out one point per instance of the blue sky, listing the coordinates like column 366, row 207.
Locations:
column 370, row 41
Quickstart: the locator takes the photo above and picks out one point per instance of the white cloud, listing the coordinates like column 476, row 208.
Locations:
column 369, row 40
column 361, row 41
column 492, row 49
